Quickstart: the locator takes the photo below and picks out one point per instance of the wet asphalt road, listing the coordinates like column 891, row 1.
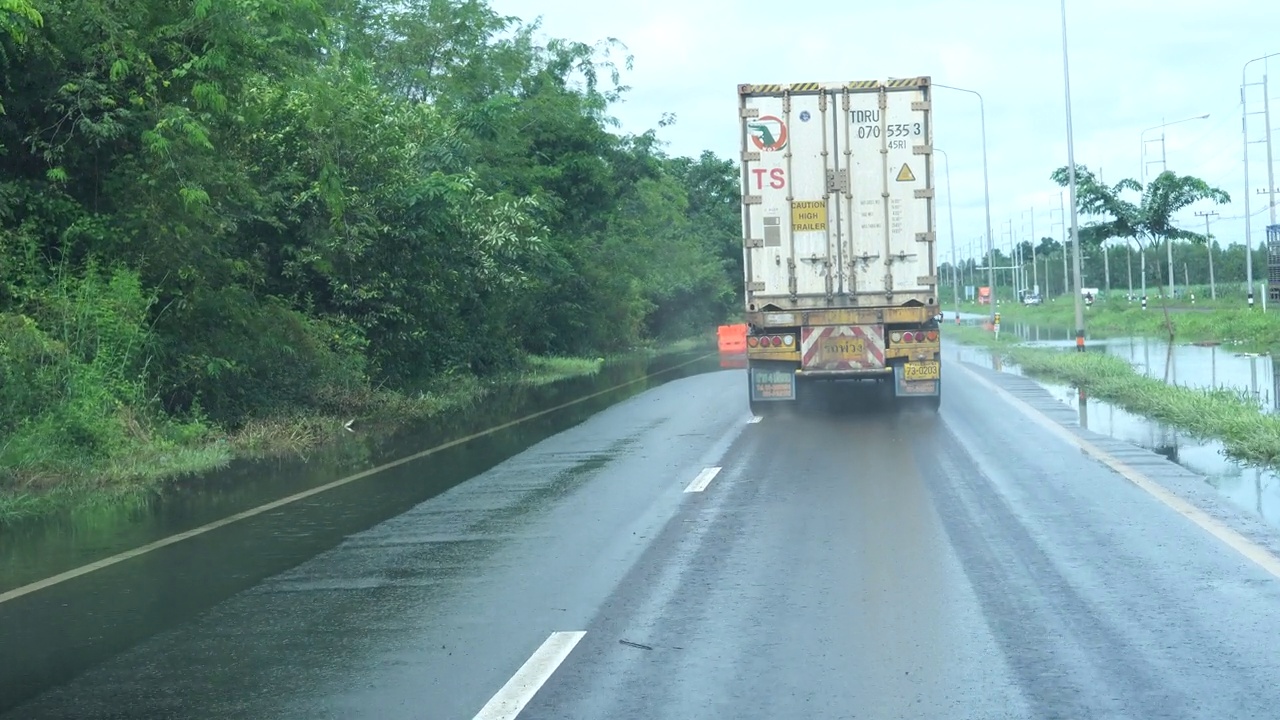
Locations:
column 844, row 563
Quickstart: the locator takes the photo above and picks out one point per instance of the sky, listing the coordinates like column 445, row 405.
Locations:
column 1134, row 64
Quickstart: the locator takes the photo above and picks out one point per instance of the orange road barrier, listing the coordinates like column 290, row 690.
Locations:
column 733, row 338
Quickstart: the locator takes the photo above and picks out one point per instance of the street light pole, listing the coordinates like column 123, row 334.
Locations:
column 1244, row 126
column 1071, row 183
column 951, row 220
column 986, row 192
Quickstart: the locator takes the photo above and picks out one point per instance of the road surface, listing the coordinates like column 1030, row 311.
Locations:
column 669, row 558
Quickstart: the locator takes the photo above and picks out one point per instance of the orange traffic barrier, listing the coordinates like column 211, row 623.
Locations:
column 733, row 338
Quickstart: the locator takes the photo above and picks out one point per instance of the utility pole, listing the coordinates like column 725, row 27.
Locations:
column 1106, row 252
column 1271, row 178
column 1128, row 261
column 1062, row 216
column 1244, row 128
column 1208, row 244
column 1013, row 261
column 1035, row 274
column 1169, row 241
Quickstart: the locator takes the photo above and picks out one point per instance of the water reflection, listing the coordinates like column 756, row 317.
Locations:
column 1205, row 365
column 1252, row 488
column 65, row 628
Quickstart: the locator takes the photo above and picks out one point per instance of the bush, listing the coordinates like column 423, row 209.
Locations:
column 73, row 375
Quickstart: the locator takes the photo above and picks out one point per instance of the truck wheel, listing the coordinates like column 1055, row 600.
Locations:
column 935, row 402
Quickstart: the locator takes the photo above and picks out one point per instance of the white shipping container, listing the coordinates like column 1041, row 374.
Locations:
column 838, row 200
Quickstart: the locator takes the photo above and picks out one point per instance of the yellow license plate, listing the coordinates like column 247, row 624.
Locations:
column 842, row 349
column 922, row 371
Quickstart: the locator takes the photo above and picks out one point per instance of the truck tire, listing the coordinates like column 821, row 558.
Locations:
column 935, row 402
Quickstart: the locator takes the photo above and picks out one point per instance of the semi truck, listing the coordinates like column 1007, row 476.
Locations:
column 839, row 243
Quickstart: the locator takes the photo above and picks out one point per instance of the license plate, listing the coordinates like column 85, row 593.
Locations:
column 922, row 371
column 842, row 349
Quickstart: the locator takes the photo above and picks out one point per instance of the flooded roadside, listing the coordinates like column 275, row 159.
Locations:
column 35, row 550
column 1204, row 366
column 1251, row 488
column 71, row 625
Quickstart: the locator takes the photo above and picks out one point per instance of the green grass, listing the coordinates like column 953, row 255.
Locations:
column 1247, row 432
column 1234, row 324
column 544, row 370
column 42, row 486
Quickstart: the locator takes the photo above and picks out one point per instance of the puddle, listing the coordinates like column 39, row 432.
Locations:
column 1254, row 489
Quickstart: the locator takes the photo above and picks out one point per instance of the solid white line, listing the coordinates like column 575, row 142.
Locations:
column 754, row 419
column 704, row 479
column 163, row 542
column 1252, row 551
column 529, row 679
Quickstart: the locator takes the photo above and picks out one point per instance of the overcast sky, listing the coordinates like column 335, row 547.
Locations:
column 1134, row 64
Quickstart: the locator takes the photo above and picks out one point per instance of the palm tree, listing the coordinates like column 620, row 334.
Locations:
column 1149, row 220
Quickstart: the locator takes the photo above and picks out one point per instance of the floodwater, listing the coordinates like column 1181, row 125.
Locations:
column 1252, row 488
column 90, row 617
column 1188, row 365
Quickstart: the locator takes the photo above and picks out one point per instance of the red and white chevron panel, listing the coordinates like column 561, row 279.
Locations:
column 828, row 347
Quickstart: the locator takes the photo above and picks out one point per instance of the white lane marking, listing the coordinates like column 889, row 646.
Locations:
column 172, row 539
column 1252, row 551
column 704, row 479
column 507, row 703
column 754, row 419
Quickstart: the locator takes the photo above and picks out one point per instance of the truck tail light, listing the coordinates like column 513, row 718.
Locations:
column 753, row 341
column 908, row 337
column 933, row 335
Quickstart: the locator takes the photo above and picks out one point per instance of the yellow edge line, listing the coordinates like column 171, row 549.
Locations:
column 1252, row 551
column 172, row 539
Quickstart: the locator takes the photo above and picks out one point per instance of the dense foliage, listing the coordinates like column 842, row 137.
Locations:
column 212, row 211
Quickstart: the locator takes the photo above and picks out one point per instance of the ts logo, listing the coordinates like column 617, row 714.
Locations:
column 777, row 179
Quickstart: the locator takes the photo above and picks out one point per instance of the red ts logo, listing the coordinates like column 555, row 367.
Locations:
column 777, row 179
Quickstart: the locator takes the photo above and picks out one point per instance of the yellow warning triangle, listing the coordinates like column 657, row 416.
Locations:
column 905, row 174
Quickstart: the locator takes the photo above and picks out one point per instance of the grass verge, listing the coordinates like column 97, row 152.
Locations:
column 1235, row 325
column 42, row 485
column 1234, row 418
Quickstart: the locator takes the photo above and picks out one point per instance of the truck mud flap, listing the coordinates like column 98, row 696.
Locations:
column 923, row 379
column 770, row 384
